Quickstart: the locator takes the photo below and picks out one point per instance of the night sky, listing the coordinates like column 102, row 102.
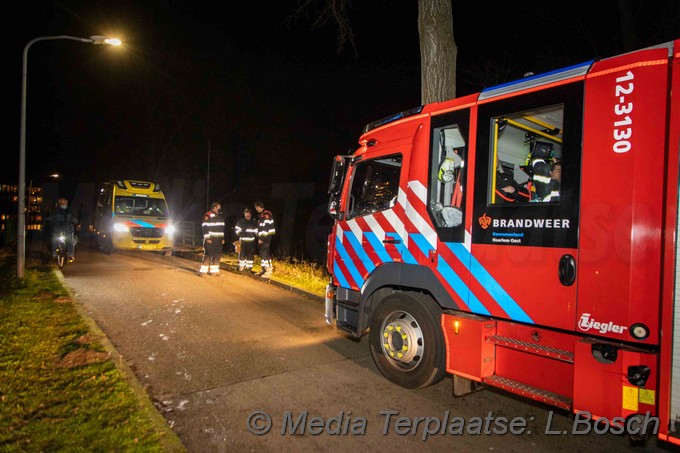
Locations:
column 255, row 88
column 270, row 96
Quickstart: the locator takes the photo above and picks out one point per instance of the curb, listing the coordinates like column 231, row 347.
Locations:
column 269, row 281
column 193, row 256
column 168, row 438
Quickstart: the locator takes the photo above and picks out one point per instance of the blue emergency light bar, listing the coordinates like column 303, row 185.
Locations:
column 536, row 80
column 391, row 118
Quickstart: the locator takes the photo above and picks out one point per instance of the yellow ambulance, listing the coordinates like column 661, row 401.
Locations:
column 133, row 215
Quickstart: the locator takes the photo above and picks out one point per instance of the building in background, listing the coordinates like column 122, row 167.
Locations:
column 37, row 208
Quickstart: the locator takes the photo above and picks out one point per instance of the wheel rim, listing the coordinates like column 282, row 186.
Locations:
column 402, row 340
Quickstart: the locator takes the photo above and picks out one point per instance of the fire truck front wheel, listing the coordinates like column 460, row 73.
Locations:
column 406, row 341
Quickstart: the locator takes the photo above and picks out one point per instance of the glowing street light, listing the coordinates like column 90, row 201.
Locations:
column 21, row 220
column 105, row 40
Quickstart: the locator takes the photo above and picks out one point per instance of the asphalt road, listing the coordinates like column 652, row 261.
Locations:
column 213, row 351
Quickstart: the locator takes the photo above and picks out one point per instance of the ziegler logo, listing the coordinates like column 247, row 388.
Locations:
column 586, row 323
column 485, row 221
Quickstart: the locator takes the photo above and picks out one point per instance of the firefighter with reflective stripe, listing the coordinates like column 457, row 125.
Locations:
column 265, row 232
column 539, row 160
column 555, row 182
column 246, row 229
column 213, row 240
column 541, row 178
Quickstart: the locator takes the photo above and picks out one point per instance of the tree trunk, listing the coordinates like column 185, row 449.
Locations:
column 438, row 51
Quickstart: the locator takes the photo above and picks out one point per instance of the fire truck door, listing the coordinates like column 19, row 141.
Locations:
column 442, row 246
column 525, row 208
column 370, row 233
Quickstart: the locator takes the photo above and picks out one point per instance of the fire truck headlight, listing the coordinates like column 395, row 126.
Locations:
column 62, row 238
column 170, row 229
column 639, row 331
column 119, row 227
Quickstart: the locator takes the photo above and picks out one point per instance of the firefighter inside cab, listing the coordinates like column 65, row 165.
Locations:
column 536, row 181
column 449, row 175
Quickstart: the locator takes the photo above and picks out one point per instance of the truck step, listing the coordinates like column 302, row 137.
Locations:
column 546, row 351
column 528, row 391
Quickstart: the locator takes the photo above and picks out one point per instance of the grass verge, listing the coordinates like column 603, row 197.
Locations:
column 307, row 276
column 59, row 388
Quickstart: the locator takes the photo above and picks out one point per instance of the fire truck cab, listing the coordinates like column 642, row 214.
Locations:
column 523, row 238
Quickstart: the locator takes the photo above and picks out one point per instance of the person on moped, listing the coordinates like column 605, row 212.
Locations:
column 63, row 222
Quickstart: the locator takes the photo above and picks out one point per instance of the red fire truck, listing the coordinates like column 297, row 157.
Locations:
column 523, row 238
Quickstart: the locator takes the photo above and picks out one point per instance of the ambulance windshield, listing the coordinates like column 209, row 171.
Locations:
column 138, row 206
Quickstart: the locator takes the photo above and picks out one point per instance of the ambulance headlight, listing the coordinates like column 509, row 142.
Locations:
column 170, row 229
column 119, row 227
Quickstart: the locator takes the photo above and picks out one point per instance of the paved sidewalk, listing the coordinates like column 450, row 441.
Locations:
column 170, row 439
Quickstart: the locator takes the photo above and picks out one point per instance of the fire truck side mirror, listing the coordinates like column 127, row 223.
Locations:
column 337, row 175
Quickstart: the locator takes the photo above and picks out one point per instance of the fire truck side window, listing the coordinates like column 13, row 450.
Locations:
column 375, row 186
column 448, row 165
column 526, row 156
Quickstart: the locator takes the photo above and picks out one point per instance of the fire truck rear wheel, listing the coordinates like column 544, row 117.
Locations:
column 406, row 340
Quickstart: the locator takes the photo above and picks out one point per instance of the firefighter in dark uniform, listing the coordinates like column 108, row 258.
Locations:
column 246, row 229
column 509, row 191
column 213, row 240
column 265, row 232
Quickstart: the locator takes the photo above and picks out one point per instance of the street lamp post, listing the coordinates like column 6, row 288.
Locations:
column 21, row 210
